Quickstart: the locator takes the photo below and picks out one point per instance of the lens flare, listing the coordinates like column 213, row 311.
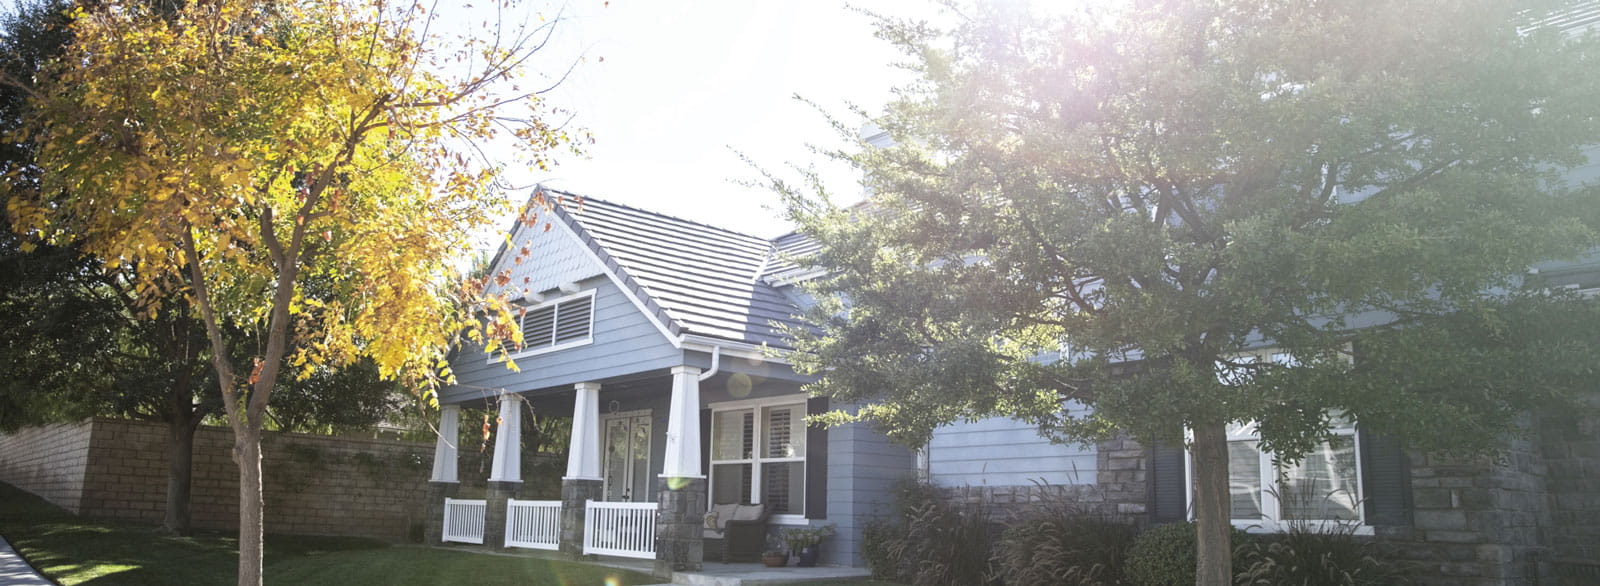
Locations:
column 739, row 385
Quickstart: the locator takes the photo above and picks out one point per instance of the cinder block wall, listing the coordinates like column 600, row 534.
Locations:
column 315, row 485
column 48, row 461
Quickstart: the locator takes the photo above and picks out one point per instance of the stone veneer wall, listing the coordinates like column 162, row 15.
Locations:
column 1572, row 456
column 48, row 461
column 315, row 485
column 1120, row 489
column 1478, row 520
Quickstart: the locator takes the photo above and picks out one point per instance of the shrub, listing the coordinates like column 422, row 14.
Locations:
column 1315, row 557
column 1165, row 555
column 930, row 541
column 877, row 538
column 1059, row 545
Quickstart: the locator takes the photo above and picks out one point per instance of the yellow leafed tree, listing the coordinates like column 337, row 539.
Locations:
column 301, row 169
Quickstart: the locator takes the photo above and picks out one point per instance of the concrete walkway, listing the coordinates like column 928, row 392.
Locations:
column 712, row 574
column 15, row 572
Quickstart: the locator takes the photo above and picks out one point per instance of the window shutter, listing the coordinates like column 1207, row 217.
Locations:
column 816, row 462
column 1385, row 479
column 1168, row 495
column 705, row 443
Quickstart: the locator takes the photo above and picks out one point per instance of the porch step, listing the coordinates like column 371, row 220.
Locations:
column 715, row 574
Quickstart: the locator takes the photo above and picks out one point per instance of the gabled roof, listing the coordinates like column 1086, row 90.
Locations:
column 694, row 278
column 782, row 270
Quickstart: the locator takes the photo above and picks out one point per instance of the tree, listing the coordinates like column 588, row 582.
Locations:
column 80, row 344
column 75, row 347
column 305, row 172
column 1114, row 206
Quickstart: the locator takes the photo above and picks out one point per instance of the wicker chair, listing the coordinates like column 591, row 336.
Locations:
column 735, row 532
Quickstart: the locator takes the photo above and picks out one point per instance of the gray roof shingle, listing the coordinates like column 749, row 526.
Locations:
column 696, row 278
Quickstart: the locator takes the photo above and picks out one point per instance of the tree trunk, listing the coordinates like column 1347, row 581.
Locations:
column 1213, row 507
column 180, row 469
column 247, row 453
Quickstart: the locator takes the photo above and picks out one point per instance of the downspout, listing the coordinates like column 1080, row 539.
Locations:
column 716, row 363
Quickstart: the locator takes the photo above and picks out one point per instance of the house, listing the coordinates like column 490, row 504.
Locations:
column 660, row 337
column 654, row 334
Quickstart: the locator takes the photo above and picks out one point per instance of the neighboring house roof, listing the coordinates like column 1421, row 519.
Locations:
column 782, row 269
column 1573, row 18
column 696, row 279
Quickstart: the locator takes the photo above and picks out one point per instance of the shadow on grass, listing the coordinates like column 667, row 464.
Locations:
column 71, row 550
column 74, row 551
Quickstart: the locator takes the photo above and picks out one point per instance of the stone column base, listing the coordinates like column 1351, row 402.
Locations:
column 433, row 534
column 575, row 494
column 494, row 514
column 680, row 545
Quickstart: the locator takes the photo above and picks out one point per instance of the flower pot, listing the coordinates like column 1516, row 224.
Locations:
column 775, row 560
column 808, row 557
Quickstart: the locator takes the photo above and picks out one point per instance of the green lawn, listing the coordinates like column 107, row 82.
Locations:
column 75, row 551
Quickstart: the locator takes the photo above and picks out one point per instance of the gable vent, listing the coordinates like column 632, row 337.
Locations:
column 559, row 323
column 573, row 319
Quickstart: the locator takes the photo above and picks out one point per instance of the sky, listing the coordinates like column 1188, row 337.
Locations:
column 673, row 92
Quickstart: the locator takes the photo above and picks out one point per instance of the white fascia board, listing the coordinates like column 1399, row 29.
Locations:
column 731, row 348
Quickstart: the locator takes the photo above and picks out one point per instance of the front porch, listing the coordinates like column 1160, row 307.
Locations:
column 639, row 466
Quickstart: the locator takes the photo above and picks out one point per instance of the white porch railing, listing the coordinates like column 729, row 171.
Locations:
column 620, row 529
column 463, row 520
column 533, row 524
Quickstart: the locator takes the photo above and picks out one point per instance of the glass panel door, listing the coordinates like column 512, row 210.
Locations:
column 627, row 457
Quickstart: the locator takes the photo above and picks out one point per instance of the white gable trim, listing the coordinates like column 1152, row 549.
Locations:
column 676, row 341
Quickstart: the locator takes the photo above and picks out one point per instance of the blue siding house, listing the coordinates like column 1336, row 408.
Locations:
column 659, row 337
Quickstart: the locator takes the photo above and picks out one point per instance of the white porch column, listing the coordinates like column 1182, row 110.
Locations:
column 508, row 441
column 682, row 459
column 583, row 456
column 444, row 450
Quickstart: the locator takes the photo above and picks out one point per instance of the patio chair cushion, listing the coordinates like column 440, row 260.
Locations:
column 748, row 512
column 717, row 519
column 735, row 532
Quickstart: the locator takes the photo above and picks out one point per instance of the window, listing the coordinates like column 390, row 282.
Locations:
column 556, row 324
column 1324, row 486
column 758, row 455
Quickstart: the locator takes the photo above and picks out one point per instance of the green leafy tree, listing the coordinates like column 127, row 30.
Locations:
column 77, row 345
column 1164, row 186
column 80, row 344
column 302, row 175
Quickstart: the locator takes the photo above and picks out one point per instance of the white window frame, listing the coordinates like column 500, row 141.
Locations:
column 554, row 320
column 1271, row 520
column 756, row 460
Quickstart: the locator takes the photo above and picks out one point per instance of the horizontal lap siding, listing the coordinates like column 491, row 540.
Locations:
column 863, row 469
column 1005, row 452
column 625, row 342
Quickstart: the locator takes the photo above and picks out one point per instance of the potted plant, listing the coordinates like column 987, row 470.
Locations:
column 774, row 556
column 804, row 543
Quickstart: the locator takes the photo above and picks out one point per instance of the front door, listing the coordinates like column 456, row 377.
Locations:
column 627, row 462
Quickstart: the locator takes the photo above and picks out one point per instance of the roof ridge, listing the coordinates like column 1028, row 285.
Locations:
column 752, row 237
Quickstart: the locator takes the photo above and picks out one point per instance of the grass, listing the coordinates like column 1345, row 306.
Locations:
column 71, row 551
